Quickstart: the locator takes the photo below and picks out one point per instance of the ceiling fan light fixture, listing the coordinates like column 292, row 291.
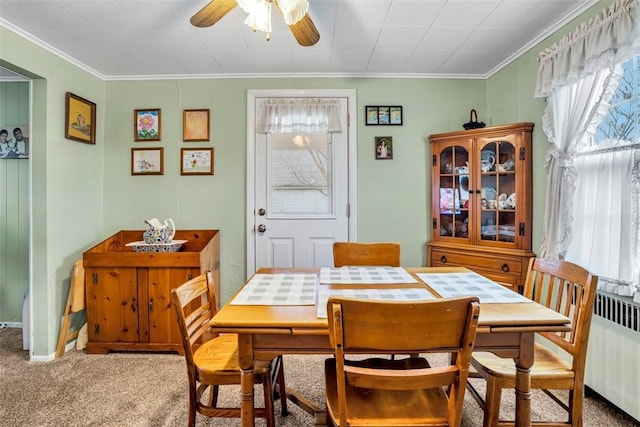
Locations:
column 259, row 18
column 293, row 10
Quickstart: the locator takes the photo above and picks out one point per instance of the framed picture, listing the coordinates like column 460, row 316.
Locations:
column 80, row 119
column 195, row 125
column 146, row 124
column 14, row 141
column 196, row 161
column 383, row 115
column 147, row 161
column 395, row 115
column 384, row 147
column 372, row 115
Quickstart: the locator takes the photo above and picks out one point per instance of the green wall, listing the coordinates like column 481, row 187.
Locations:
column 393, row 196
column 66, row 177
column 82, row 193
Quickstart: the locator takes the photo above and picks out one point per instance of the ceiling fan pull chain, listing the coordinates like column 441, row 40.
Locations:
column 269, row 4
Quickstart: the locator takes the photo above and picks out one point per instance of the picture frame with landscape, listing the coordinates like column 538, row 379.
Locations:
column 79, row 119
column 383, row 115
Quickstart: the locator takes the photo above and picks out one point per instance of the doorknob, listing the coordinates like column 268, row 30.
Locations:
column 261, row 211
column 262, row 228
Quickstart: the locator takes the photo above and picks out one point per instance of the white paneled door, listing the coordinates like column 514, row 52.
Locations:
column 301, row 202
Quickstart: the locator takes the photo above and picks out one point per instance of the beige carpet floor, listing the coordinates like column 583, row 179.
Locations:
column 141, row 389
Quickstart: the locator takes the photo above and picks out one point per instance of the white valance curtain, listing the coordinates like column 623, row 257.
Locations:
column 288, row 115
column 611, row 37
column 578, row 76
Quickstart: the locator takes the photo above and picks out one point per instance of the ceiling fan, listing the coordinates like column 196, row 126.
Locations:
column 294, row 12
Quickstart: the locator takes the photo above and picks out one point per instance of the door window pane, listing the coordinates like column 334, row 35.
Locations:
column 299, row 167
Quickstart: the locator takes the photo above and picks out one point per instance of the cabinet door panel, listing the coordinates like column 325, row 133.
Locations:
column 451, row 195
column 112, row 304
column 163, row 326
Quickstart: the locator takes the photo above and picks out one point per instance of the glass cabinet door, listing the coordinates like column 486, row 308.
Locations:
column 498, row 192
column 453, row 196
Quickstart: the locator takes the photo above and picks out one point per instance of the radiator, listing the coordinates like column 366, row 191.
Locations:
column 613, row 356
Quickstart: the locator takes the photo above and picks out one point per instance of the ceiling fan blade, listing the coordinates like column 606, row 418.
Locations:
column 212, row 12
column 305, row 31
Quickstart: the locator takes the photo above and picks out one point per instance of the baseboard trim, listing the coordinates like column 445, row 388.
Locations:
column 10, row 325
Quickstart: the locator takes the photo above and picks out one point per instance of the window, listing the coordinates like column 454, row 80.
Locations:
column 299, row 168
column 606, row 207
column 622, row 122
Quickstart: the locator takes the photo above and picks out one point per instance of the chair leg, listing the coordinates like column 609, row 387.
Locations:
column 191, row 421
column 282, row 389
column 492, row 403
column 576, row 397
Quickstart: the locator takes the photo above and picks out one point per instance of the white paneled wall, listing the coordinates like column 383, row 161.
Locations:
column 14, row 207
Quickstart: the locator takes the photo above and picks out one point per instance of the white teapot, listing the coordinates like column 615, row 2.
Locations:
column 159, row 232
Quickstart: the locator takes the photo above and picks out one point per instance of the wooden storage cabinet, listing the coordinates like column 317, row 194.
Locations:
column 128, row 294
column 482, row 201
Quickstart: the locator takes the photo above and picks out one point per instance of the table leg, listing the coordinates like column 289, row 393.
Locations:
column 245, row 354
column 523, row 380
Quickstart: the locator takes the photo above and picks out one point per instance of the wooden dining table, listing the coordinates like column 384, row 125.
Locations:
column 267, row 331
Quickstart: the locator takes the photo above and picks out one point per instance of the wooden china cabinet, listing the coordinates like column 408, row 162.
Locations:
column 482, row 201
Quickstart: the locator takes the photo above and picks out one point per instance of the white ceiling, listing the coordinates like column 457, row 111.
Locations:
column 123, row 39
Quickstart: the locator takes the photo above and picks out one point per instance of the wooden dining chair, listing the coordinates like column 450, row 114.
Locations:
column 570, row 290
column 403, row 392
column 364, row 254
column 212, row 360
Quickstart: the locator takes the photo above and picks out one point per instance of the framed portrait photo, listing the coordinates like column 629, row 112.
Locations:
column 195, row 125
column 80, row 119
column 147, row 161
column 196, row 161
column 14, row 141
column 384, row 147
column 146, row 124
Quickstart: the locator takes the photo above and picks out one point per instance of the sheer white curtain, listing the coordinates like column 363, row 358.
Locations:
column 569, row 112
column 607, row 212
column 288, row 115
column 578, row 77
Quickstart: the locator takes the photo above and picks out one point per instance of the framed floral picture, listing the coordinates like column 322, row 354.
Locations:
column 147, row 161
column 146, row 124
column 196, row 161
column 195, row 125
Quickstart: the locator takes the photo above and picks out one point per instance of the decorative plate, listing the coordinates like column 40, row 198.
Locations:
column 141, row 246
column 489, row 193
